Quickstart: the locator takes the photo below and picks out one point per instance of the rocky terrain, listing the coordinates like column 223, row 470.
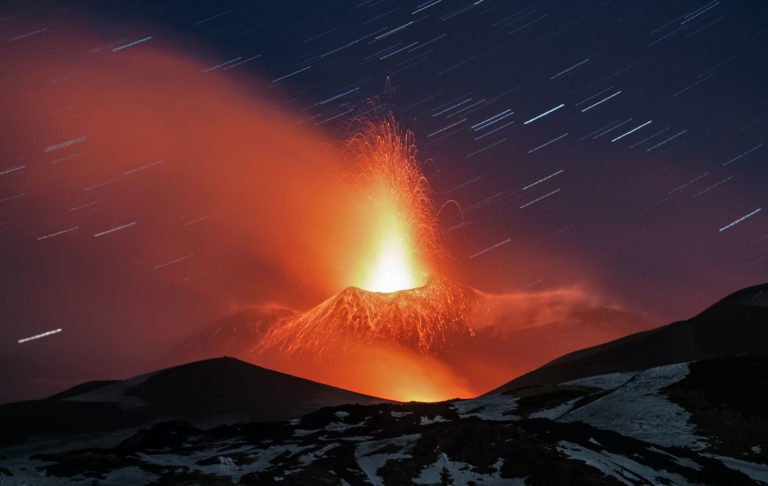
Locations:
column 698, row 423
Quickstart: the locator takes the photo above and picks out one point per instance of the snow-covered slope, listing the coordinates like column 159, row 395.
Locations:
column 620, row 428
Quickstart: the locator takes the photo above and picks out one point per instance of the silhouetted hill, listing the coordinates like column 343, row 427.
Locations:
column 203, row 393
column 736, row 325
column 692, row 423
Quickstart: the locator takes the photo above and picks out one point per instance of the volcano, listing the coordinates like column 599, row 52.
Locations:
column 430, row 319
column 442, row 340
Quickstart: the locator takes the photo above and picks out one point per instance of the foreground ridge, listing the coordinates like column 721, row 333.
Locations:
column 646, row 427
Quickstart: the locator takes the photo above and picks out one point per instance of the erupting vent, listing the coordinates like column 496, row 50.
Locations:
column 400, row 248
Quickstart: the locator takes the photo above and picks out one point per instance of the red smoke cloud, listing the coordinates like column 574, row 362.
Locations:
column 224, row 198
column 226, row 155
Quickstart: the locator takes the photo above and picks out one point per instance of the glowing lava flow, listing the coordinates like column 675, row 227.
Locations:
column 389, row 345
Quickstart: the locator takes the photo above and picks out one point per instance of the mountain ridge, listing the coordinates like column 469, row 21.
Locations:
column 697, row 338
column 203, row 393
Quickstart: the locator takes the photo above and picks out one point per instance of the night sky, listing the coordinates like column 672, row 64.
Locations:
column 614, row 146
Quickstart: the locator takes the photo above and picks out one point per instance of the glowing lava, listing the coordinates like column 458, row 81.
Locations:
column 393, row 258
column 399, row 243
column 392, row 270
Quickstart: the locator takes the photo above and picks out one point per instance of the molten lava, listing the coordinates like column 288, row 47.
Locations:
column 392, row 264
column 400, row 247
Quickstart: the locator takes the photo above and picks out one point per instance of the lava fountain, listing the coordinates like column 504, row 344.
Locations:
column 399, row 247
column 383, row 334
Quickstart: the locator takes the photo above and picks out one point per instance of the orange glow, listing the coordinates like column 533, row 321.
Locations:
column 392, row 266
column 378, row 370
column 383, row 344
column 399, row 238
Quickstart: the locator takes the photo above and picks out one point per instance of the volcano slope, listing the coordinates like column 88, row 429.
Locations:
column 699, row 422
column 736, row 325
column 444, row 339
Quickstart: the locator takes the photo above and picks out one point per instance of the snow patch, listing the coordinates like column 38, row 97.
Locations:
column 343, row 427
column 311, row 456
column 683, row 461
column 370, row 463
column 608, row 381
column 489, row 407
column 637, row 409
column 438, row 418
column 756, row 472
column 399, row 414
column 689, row 463
column 461, row 473
column 24, row 472
column 226, row 466
column 554, row 413
column 622, row 468
column 128, row 475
